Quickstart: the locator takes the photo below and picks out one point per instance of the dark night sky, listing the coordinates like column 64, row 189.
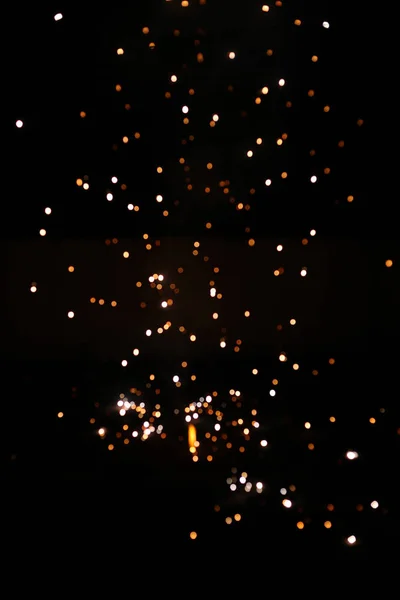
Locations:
column 55, row 364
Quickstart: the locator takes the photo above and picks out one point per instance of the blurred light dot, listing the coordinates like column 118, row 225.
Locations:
column 71, row 315
column 281, row 82
column 351, row 455
column 193, row 535
column 58, row 17
column 325, row 24
column 231, row 55
column 351, row 540
column 42, row 232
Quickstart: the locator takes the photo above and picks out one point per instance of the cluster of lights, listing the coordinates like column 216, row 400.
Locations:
column 145, row 424
column 237, row 482
column 219, row 435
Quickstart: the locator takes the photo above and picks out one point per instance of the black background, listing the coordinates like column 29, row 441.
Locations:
column 62, row 483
